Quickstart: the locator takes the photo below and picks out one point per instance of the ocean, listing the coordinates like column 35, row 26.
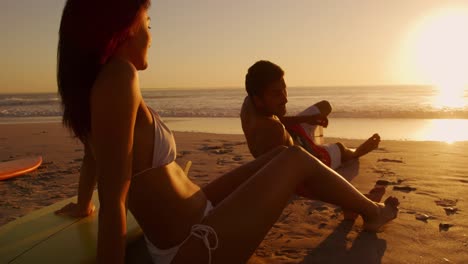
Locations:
column 396, row 112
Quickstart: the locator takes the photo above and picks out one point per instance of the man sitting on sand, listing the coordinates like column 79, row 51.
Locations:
column 266, row 126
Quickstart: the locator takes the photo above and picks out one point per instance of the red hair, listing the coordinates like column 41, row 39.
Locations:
column 90, row 33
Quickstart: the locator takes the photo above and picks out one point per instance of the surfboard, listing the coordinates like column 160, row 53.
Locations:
column 13, row 168
column 44, row 237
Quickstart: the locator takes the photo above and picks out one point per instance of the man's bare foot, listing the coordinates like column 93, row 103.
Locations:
column 387, row 212
column 374, row 195
column 369, row 145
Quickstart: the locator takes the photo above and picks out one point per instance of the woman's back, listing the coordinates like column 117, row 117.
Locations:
column 163, row 200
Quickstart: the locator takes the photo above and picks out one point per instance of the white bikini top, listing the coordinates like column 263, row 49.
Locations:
column 164, row 146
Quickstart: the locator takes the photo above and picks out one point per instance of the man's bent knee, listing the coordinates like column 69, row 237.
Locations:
column 341, row 146
column 324, row 107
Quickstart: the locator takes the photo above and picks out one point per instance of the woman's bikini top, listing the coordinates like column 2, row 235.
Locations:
column 164, row 146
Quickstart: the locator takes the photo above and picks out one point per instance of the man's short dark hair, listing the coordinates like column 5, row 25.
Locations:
column 260, row 75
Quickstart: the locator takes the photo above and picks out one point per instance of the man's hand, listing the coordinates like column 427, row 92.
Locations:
column 320, row 120
column 73, row 210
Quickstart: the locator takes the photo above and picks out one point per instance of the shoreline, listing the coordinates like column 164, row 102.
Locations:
column 421, row 130
column 426, row 176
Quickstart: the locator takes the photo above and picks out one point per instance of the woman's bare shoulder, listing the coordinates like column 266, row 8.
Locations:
column 118, row 78
column 119, row 66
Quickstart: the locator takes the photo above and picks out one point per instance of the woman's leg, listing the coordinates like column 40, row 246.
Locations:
column 244, row 217
column 224, row 185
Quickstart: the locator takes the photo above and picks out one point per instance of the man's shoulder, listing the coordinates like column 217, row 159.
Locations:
column 247, row 109
column 259, row 125
column 269, row 125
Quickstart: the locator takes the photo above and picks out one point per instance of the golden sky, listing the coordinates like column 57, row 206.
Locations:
column 211, row 43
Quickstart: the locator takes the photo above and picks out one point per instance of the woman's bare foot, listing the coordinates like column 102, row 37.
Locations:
column 369, row 145
column 374, row 195
column 387, row 212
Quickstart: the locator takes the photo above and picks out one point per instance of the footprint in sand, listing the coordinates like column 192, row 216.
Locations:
column 205, row 147
column 390, row 160
column 216, row 149
column 321, row 208
column 386, row 183
column 182, row 153
column 289, row 253
column 284, row 216
column 238, row 158
column 450, row 210
column 318, row 209
column 262, row 253
column 221, row 162
column 383, row 172
column 221, row 151
column 423, row 217
column 446, row 202
column 444, row 227
column 406, row 189
column 322, row 225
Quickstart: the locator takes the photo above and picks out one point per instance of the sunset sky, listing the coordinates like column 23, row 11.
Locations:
column 211, row 43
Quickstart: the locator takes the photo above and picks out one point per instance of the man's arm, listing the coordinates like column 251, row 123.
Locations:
column 270, row 135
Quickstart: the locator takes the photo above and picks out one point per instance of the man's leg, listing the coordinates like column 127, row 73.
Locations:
column 315, row 132
column 324, row 107
column 366, row 147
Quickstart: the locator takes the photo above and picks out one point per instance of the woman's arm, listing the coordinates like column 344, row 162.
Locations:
column 114, row 104
column 87, row 182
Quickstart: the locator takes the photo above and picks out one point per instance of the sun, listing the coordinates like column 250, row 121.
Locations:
column 437, row 51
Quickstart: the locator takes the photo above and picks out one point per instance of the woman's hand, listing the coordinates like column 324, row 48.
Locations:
column 73, row 210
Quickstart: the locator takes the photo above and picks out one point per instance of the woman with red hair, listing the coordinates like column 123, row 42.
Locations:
column 131, row 154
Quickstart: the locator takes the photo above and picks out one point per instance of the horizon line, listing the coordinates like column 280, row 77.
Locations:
column 241, row 87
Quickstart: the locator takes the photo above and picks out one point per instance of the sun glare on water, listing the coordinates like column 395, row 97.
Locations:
column 449, row 96
column 438, row 52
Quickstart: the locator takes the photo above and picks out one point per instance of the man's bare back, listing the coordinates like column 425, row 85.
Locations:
column 262, row 132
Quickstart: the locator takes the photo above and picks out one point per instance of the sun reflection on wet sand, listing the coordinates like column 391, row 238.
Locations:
column 446, row 130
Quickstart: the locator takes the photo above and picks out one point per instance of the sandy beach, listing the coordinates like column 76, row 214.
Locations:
column 429, row 178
